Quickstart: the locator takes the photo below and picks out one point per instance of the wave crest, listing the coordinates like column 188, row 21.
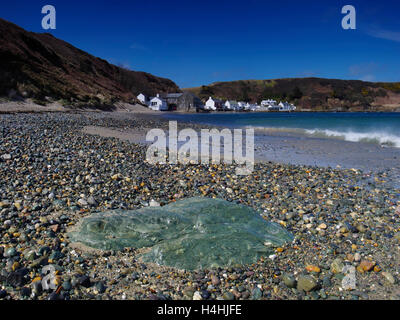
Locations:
column 376, row 137
column 382, row 138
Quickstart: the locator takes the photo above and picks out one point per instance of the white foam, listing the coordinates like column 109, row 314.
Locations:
column 377, row 137
column 382, row 138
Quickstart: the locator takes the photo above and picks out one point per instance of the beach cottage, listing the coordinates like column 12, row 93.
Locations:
column 158, row 104
column 268, row 102
column 213, row 104
column 231, row 105
column 251, row 107
column 285, row 106
column 143, row 99
column 241, row 105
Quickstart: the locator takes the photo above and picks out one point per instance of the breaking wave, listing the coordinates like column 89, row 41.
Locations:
column 376, row 137
column 382, row 138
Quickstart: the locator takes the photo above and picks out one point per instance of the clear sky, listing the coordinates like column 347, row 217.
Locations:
column 199, row 42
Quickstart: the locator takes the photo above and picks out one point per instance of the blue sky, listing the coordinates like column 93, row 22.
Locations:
column 199, row 42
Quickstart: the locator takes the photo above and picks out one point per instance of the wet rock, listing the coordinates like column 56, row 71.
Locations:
column 256, row 294
column 306, row 283
column 91, row 200
column 25, row 292
column 337, row 265
column 55, row 296
column 82, row 202
column 205, row 294
column 16, row 279
column 289, row 280
column 84, row 281
column 6, row 156
column 366, row 265
column 215, row 280
column 37, row 287
column 3, row 294
column 389, row 277
column 228, row 296
column 67, row 285
column 10, row 252
column 100, row 287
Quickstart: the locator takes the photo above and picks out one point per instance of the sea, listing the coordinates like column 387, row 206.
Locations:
column 376, row 128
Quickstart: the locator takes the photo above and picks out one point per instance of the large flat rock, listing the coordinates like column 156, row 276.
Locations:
column 194, row 233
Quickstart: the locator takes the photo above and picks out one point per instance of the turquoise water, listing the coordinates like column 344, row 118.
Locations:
column 379, row 128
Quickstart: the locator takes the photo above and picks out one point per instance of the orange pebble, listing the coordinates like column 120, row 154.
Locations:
column 311, row 268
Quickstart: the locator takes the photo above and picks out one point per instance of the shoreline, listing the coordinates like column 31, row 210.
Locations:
column 291, row 149
column 11, row 107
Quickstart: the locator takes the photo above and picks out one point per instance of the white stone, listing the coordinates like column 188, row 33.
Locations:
column 197, row 296
column 82, row 202
column 349, row 282
column 154, row 203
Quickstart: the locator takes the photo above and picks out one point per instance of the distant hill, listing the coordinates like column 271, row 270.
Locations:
column 42, row 67
column 310, row 93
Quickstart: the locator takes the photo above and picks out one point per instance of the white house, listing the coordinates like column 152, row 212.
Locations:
column 251, row 107
column 241, row 105
column 212, row 104
column 268, row 103
column 231, row 105
column 158, row 104
column 142, row 98
column 285, row 106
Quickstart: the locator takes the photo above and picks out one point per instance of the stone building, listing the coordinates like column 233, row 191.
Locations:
column 184, row 102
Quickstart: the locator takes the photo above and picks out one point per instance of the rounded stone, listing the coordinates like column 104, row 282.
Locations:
column 306, row 283
column 289, row 280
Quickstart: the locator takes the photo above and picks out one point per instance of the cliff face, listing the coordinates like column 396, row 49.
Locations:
column 310, row 93
column 37, row 65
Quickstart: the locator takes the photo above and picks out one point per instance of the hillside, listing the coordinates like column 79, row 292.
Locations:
column 44, row 68
column 310, row 93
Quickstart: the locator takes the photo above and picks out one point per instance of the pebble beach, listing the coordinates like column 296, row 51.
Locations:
column 56, row 169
